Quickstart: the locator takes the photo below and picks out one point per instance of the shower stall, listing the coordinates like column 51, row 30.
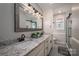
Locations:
column 68, row 29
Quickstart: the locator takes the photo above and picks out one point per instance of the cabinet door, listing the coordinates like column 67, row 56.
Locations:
column 33, row 53
column 46, row 46
column 51, row 41
column 36, row 50
column 46, row 51
column 41, row 52
column 49, row 44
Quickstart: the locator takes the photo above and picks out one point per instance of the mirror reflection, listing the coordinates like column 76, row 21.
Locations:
column 29, row 17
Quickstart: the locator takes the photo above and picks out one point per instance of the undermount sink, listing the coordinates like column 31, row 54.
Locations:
column 29, row 39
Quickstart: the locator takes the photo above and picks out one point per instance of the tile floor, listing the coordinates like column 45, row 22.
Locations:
column 54, row 51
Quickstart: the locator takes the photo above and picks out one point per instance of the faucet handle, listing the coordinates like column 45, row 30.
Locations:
column 23, row 36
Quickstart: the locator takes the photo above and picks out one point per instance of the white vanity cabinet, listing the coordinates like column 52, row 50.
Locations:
column 51, row 42
column 48, row 45
column 39, row 50
column 37, row 47
column 42, row 49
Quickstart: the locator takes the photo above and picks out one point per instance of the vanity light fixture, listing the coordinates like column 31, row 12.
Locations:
column 37, row 14
column 28, row 7
column 33, row 14
column 41, row 16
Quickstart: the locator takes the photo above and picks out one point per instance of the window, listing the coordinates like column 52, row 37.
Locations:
column 34, row 25
column 60, row 24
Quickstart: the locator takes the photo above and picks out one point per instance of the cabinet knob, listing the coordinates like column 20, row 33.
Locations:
column 46, row 47
column 51, row 41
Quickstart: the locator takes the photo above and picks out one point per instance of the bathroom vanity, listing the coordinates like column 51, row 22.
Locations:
column 28, row 20
column 35, row 47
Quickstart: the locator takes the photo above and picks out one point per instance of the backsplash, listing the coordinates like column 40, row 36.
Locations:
column 14, row 40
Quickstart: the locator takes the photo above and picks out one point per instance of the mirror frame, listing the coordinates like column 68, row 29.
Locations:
column 16, row 21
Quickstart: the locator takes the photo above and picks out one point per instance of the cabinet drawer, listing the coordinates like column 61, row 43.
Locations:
column 46, row 42
column 51, row 43
column 36, row 50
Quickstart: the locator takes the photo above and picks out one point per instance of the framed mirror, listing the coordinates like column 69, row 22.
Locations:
column 27, row 18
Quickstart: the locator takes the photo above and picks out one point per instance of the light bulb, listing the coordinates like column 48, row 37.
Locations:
column 34, row 14
column 41, row 16
column 37, row 13
column 30, row 11
column 59, row 11
column 25, row 9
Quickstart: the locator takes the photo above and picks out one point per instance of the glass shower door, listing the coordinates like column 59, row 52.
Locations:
column 68, row 31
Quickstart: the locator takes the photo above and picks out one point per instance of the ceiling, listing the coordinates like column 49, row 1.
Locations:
column 57, row 7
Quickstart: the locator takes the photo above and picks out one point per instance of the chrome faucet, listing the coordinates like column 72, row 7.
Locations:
column 22, row 38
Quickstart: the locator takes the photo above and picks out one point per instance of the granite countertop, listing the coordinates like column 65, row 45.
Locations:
column 21, row 48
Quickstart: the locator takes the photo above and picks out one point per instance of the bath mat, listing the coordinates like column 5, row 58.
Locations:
column 63, row 51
